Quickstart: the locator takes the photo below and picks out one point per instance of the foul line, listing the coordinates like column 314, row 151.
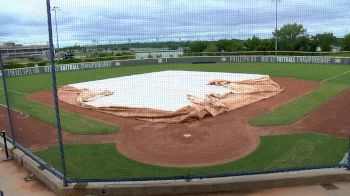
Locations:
column 21, row 114
column 16, row 92
column 336, row 76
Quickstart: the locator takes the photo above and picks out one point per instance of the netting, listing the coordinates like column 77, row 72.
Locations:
column 176, row 89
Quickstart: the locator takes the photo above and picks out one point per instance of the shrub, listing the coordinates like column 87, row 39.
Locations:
column 42, row 63
column 34, row 58
column 13, row 65
column 68, row 61
column 89, row 60
column 30, row 65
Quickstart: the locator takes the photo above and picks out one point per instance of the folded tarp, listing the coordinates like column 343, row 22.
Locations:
column 240, row 94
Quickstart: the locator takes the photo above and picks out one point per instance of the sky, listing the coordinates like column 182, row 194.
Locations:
column 119, row 21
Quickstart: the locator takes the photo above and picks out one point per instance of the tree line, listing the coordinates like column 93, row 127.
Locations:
column 290, row 37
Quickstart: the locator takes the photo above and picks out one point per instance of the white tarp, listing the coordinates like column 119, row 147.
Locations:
column 166, row 90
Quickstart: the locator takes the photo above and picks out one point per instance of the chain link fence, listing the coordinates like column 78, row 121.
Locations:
column 153, row 90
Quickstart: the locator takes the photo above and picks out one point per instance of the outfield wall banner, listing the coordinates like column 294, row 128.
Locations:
column 222, row 59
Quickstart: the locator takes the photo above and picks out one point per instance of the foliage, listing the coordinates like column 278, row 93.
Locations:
column 252, row 43
column 290, row 35
column 346, row 42
column 265, row 45
column 211, row 49
column 325, row 41
column 225, row 45
column 30, row 64
column 42, row 63
column 198, row 46
column 35, row 58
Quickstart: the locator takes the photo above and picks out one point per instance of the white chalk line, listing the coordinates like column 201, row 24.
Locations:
column 336, row 76
column 21, row 114
column 16, row 92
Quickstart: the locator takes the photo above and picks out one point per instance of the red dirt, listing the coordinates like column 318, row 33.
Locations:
column 213, row 140
column 29, row 132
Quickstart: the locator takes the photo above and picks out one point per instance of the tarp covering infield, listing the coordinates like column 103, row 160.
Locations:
column 171, row 96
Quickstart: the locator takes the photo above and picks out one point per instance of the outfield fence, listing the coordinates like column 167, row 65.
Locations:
column 297, row 130
column 189, row 60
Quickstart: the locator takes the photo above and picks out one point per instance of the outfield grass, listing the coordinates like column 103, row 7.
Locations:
column 73, row 123
column 96, row 161
column 291, row 112
column 104, row 161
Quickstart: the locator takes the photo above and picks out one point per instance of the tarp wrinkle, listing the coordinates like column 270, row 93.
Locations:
column 240, row 94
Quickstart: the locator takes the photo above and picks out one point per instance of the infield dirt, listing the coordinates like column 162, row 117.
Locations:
column 212, row 140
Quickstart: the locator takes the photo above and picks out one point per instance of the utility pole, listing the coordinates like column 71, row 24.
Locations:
column 55, row 9
column 276, row 41
column 129, row 40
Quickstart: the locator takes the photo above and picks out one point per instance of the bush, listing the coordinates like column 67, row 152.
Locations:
column 42, row 63
column 89, row 60
column 34, row 58
column 68, row 61
column 13, row 65
column 102, row 54
column 109, row 58
column 30, row 65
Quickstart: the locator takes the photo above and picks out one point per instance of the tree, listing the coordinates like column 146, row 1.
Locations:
column 237, row 46
column 290, row 35
column 252, row 43
column 306, row 43
column 211, row 48
column 198, row 46
column 346, row 42
column 224, row 45
column 325, row 41
column 265, row 45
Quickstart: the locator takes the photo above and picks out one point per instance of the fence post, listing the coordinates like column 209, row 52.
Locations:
column 54, row 88
column 7, row 157
column 3, row 75
column 348, row 164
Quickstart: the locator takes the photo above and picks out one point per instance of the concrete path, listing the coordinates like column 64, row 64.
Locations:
column 12, row 181
column 342, row 189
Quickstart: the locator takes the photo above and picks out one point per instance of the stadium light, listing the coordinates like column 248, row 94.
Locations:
column 55, row 9
column 276, row 44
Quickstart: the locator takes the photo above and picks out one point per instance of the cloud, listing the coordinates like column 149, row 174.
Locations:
column 145, row 20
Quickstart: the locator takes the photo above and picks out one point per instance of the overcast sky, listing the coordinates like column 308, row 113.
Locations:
column 107, row 21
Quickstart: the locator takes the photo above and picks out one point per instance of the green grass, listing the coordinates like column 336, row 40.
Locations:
column 274, row 152
column 291, row 112
column 72, row 123
column 76, row 124
column 104, row 161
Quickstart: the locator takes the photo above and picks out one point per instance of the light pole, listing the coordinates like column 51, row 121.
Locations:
column 276, row 44
column 55, row 9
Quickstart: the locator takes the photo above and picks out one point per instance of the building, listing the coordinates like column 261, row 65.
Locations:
column 11, row 50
